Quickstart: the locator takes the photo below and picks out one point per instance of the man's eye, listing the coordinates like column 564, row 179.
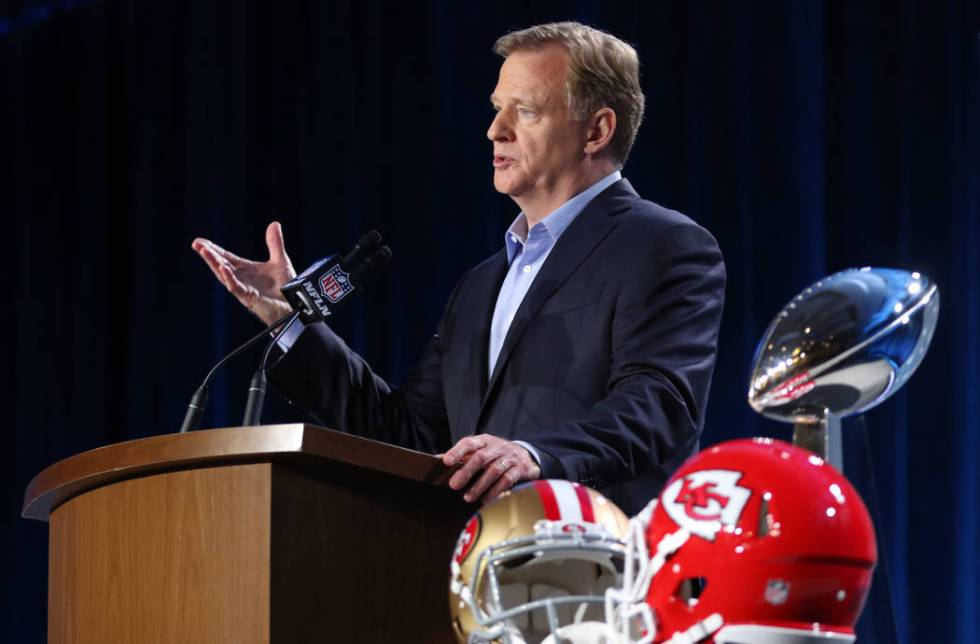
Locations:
column 525, row 111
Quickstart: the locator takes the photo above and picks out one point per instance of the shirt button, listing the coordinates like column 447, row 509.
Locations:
column 527, row 268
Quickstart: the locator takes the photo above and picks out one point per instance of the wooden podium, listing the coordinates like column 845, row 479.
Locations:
column 285, row 533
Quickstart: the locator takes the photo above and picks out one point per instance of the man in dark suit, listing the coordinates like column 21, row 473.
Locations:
column 583, row 349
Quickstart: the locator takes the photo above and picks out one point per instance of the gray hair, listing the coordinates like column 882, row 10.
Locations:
column 604, row 71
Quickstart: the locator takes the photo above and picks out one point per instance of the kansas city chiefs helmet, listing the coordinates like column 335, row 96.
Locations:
column 750, row 542
column 538, row 557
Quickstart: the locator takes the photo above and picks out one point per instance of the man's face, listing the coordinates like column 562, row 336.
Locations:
column 537, row 146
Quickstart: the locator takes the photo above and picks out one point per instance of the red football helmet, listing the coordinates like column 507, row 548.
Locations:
column 750, row 542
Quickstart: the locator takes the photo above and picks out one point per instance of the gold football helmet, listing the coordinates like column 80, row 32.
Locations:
column 536, row 558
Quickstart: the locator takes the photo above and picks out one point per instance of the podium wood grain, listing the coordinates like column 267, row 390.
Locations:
column 273, row 534
column 150, row 559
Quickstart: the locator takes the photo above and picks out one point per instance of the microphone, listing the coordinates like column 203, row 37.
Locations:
column 199, row 401
column 256, row 388
column 331, row 279
column 320, row 290
column 256, row 394
column 314, row 295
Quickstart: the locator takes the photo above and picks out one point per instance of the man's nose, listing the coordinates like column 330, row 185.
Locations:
column 499, row 130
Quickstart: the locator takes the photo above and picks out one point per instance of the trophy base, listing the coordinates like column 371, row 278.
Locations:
column 822, row 438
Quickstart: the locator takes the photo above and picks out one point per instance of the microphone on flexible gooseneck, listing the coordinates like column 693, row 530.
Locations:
column 317, row 293
column 199, row 401
column 256, row 397
column 257, row 387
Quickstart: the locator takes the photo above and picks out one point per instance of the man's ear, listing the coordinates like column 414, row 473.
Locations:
column 602, row 126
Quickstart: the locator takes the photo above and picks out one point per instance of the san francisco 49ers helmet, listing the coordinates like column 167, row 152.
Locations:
column 750, row 542
column 535, row 558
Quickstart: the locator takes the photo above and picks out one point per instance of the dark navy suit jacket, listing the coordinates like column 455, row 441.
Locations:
column 605, row 369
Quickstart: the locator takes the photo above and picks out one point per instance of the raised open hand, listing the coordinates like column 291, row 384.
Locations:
column 255, row 284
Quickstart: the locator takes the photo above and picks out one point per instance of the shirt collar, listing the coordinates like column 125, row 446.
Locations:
column 558, row 220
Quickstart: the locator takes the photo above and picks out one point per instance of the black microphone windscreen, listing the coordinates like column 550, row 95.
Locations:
column 367, row 243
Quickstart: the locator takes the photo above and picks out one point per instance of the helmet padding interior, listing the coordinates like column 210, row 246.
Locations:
column 543, row 579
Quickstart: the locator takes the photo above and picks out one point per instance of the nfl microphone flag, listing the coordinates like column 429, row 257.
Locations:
column 318, row 291
column 313, row 291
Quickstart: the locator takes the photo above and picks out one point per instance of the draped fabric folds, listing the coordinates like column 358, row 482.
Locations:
column 808, row 136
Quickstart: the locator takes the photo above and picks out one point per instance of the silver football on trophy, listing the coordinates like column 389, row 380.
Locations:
column 844, row 344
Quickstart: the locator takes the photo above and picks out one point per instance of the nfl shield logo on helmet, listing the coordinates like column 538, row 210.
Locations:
column 335, row 284
column 777, row 592
column 706, row 501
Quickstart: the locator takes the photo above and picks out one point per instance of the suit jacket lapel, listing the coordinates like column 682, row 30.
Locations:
column 486, row 288
column 574, row 246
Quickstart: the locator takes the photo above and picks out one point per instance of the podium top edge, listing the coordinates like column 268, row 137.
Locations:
column 216, row 447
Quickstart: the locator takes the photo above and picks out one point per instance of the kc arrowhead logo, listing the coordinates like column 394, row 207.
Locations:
column 706, row 501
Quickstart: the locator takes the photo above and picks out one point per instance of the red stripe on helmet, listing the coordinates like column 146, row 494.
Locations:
column 585, row 502
column 548, row 500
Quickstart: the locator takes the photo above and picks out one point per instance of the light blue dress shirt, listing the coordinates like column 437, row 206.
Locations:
column 526, row 252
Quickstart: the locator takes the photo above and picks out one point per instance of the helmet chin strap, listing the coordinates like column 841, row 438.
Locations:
column 698, row 631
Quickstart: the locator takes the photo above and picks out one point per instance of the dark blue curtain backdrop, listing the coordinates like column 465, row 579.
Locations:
column 808, row 136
